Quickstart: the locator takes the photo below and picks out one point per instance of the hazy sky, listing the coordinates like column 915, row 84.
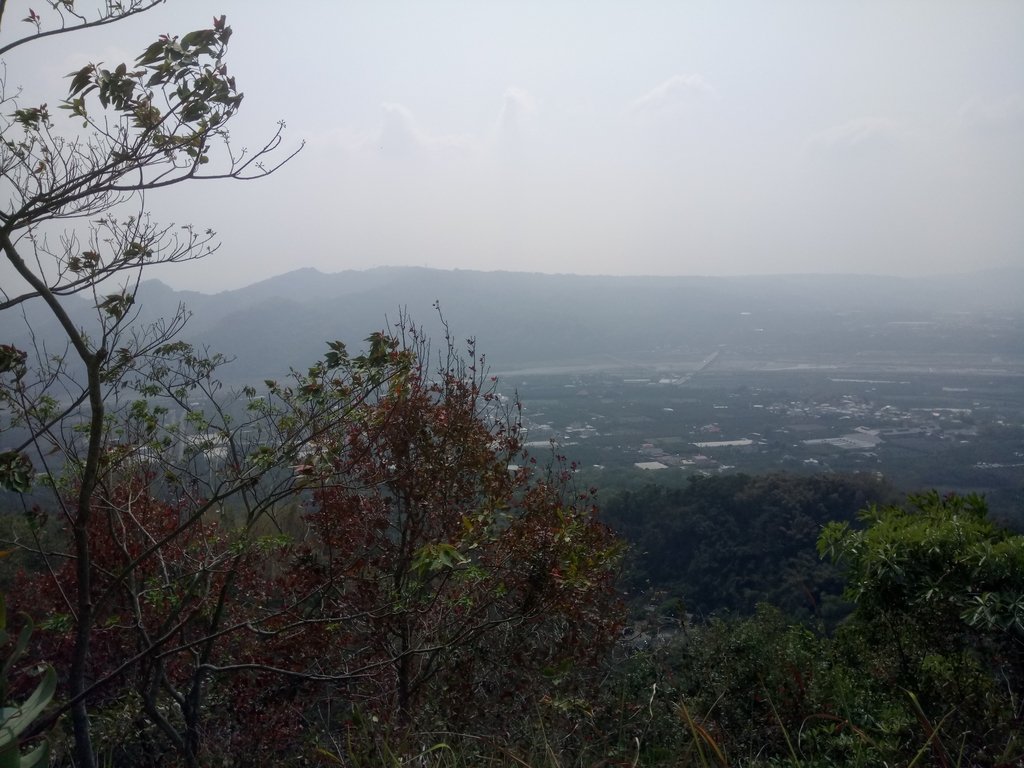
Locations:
column 606, row 137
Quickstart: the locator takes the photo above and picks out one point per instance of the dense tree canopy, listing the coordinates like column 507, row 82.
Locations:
column 926, row 670
column 728, row 543
column 939, row 595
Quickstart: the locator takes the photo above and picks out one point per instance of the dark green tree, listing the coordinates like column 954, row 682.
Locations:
column 939, row 595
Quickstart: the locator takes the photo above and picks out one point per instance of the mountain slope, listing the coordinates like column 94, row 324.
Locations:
column 522, row 319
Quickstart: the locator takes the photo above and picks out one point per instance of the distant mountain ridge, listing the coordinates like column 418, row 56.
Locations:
column 523, row 319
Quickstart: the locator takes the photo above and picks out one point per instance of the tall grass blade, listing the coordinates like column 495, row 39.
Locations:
column 701, row 736
column 785, row 733
column 932, row 732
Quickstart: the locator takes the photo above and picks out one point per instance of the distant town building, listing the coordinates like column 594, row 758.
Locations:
column 650, row 465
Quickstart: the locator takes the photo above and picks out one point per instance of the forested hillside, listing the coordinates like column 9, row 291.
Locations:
column 725, row 544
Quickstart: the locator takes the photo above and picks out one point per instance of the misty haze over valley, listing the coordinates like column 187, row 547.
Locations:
column 918, row 381
column 528, row 385
column 567, row 322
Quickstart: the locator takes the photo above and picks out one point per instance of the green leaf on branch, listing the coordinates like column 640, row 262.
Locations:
column 116, row 305
column 12, row 360
column 432, row 558
column 15, row 472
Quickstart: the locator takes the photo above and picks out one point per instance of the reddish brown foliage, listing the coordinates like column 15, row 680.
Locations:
column 428, row 580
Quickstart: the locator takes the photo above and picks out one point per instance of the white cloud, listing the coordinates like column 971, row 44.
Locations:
column 867, row 135
column 515, row 120
column 401, row 136
column 677, row 91
column 517, row 107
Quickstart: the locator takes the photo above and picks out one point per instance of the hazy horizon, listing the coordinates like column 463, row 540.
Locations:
column 747, row 276
column 646, row 139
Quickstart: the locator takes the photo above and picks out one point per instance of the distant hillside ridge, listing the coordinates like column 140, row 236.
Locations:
column 535, row 320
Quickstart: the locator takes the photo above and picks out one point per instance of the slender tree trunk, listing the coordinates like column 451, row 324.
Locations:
column 404, row 677
column 78, row 682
